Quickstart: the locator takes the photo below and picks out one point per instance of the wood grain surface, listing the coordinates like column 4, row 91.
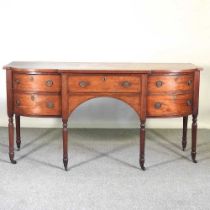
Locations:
column 104, row 83
column 168, row 84
column 170, row 105
column 36, row 104
column 56, row 89
column 45, row 83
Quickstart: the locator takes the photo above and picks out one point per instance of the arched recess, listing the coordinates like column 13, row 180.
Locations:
column 132, row 100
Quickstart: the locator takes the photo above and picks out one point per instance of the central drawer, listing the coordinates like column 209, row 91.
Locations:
column 104, row 83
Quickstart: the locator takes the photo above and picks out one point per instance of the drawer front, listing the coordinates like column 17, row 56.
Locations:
column 104, row 84
column 169, row 105
column 161, row 84
column 35, row 104
column 48, row 83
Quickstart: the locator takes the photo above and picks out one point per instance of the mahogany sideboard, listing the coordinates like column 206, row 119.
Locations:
column 55, row 89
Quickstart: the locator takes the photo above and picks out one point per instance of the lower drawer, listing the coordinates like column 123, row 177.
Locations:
column 169, row 105
column 35, row 104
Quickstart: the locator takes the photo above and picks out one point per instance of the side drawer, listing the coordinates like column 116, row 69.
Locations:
column 45, row 83
column 106, row 83
column 36, row 104
column 169, row 105
column 161, row 84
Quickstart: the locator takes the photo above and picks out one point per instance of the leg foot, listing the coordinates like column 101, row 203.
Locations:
column 142, row 145
column 141, row 163
column 18, row 145
column 193, row 155
column 194, row 138
column 184, row 135
column 65, row 144
column 11, row 157
column 11, row 139
column 65, row 163
column 18, row 139
column 13, row 161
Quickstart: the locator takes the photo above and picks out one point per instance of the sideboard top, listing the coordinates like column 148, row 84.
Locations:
column 100, row 67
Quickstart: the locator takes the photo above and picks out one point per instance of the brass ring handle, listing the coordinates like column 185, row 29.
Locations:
column 83, row 84
column 189, row 82
column 32, row 97
column 50, row 105
column 17, row 81
column 49, row 83
column 157, row 105
column 189, row 102
column 17, row 102
column 159, row 83
column 126, row 84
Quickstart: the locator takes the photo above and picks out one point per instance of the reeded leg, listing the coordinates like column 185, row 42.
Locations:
column 194, row 138
column 142, row 145
column 184, row 134
column 65, row 144
column 11, row 139
column 18, row 139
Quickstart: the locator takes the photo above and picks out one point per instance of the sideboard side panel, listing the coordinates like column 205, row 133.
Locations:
column 64, row 93
column 196, row 92
column 9, row 93
column 143, row 99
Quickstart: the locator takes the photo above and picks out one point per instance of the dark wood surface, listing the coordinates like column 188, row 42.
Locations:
column 17, row 124
column 37, row 104
column 195, row 114
column 65, row 116
column 184, row 134
column 42, row 83
column 169, row 84
column 169, row 105
column 10, row 112
column 104, row 83
column 56, row 89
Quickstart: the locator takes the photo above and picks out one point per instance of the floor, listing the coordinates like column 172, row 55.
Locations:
column 103, row 171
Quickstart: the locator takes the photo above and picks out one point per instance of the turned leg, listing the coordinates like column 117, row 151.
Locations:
column 142, row 145
column 11, row 139
column 194, row 138
column 17, row 122
column 65, row 144
column 184, row 134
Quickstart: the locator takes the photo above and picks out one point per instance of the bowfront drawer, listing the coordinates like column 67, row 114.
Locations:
column 169, row 105
column 160, row 84
column 34, row 104
column 104, row 83
column 48, row 83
